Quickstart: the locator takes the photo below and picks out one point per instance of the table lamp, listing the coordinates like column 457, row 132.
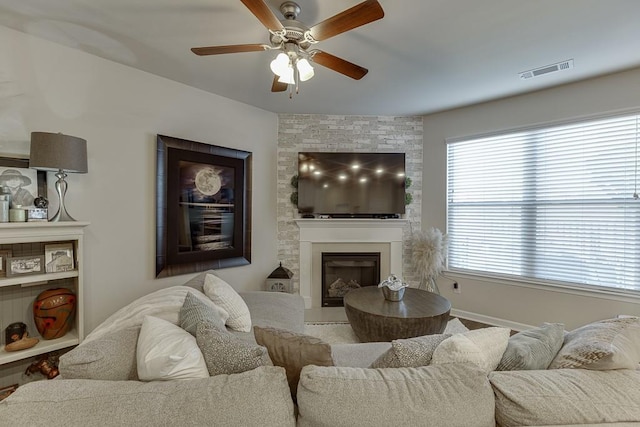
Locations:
column 56, row 152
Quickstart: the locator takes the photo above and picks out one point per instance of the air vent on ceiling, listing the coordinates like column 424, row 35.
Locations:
column 560, row 66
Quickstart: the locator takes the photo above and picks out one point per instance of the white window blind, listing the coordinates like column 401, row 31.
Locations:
column 554, row 204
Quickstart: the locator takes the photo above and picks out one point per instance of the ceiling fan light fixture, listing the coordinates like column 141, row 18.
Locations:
column 288, row 76
column 280, row 66
column 305, row 69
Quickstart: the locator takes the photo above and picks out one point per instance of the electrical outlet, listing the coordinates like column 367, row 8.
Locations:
column 456, row 288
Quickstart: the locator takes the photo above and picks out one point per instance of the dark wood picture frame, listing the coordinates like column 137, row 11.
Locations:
column 23, row 163
column 203, row 207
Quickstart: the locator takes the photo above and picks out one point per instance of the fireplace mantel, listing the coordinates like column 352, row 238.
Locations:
column 341, row 231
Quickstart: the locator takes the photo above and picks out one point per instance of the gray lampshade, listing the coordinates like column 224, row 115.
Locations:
column 56, row 151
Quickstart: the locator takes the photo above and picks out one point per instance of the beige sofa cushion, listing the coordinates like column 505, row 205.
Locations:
column 292, row 351
column 111, row 357
column 410, row 352
column 447, row 395
column 566, row 396
column 532, row 349
column 482, row 347
column 215, row 401
column 602, row 345
column 226, row 354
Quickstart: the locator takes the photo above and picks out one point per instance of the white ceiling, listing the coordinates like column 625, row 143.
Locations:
column 423, row 56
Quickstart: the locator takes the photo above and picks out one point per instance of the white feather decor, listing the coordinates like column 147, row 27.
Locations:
column 428, row 253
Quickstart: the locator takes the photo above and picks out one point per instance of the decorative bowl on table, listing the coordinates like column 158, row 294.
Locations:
column 392, row 288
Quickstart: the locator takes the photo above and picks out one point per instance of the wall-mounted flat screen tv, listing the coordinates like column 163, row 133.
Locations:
column 351, row 184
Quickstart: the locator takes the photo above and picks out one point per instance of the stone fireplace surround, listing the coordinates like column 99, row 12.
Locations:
column 346, row 235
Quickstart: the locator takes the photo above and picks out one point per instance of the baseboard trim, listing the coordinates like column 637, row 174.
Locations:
column 494, row 321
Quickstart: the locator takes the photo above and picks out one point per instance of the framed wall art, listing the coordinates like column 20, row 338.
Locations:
column 25, row 184
column 58, row 257
column 4, row 254
column 21, row 266
column 203, row 207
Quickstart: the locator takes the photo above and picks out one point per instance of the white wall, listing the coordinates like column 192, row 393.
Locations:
column 509, row 301
column 119, row 110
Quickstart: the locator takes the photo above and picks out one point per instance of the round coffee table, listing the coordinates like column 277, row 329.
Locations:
column 373, row 318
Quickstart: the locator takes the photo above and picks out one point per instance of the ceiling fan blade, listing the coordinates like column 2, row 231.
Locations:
column 340, row 65
column 360, row 14
column 234, row 48
column 277, row 86
column 260, row 9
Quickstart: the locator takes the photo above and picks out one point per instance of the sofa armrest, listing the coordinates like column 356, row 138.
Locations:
column 275, row 309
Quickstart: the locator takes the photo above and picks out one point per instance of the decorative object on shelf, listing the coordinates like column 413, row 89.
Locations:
column 41, row 202
column 54, row 311
column 56, row 152
column 47, row 365
column 428, row 253
column 4, row 255
column 21, row 266
column 5, row 202
column 38, row 178
column 7, row 391
column 280, row 280
column 17, row 215
column 58, row 257
column 14, row 332
column 392, row 288
column 17, row 337
column 37, row 215
column 21, row 185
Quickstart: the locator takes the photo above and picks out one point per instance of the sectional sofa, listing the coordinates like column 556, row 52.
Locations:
column 100, row 379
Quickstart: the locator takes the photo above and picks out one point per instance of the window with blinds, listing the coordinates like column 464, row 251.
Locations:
column 554, row 204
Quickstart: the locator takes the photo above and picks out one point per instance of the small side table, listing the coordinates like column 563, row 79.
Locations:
column 373, row 318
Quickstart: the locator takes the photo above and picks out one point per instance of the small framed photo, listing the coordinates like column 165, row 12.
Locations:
column 24, row 265
column 59, row 257
column 4, row 254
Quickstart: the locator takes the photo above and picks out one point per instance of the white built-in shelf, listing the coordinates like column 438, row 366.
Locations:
column 17, row 293
column 36, row 279
column 44, row 346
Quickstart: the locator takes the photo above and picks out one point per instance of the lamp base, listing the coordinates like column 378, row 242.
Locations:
column 61, row 189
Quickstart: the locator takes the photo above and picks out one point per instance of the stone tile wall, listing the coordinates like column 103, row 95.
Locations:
column 334, row 133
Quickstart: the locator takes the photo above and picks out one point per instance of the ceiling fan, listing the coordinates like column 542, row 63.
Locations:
column 293, row 39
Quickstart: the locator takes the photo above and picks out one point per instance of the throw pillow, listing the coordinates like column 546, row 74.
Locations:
column 603, row 345
column 110, row 357
column 194, row 310
column 533, row 348
column 167, row 352
column 482, row 347
column 221, row 293
column 293, row 351
column 226, row 354
column 410, row 352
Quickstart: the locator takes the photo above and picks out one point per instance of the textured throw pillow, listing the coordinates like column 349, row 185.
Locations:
column 293, row 351
column 607, row 344
column 533, row 348
column 194, row 310
column 410, row 352
column 223, row 295
column 226, row 354
column 482, row 347
column 168, row 352
column 110, row 357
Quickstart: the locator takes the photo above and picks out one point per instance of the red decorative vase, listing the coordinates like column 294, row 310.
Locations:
column 53, row 312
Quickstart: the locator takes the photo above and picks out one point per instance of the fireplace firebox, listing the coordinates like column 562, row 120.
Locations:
column 343, row 271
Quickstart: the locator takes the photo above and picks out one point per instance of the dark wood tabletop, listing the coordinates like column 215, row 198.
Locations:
column 373, row 318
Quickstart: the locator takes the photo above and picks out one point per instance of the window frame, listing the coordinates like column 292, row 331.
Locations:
column 532, row 281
